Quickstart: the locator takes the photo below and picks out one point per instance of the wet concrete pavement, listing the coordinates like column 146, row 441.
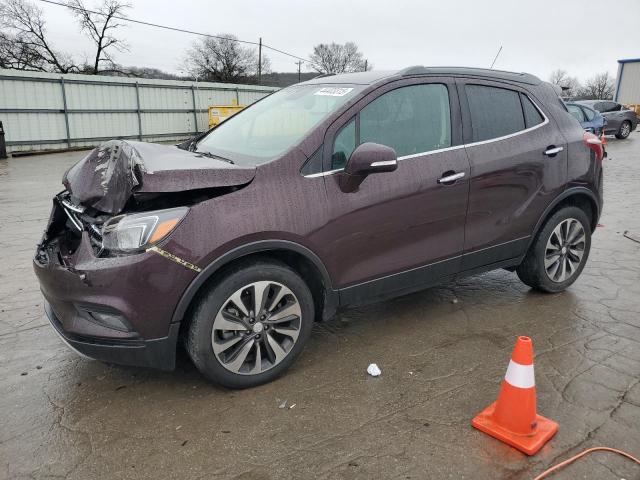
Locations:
column 442, row 353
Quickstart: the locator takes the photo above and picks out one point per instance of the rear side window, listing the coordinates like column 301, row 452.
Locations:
column 576, row 112
column 495, row 112
column 410, row 120
column 590, row 114
column 532, row 115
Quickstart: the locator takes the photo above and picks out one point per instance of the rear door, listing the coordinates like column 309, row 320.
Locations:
column 402, row 229
column 612, row 112
column 518, row 165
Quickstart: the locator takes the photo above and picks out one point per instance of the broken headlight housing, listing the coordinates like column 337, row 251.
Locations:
column 138, row 231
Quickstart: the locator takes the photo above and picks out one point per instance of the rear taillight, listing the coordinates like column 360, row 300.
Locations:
column 595, row 144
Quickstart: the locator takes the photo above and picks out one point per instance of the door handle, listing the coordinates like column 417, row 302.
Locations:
column 552, row 151
column 450, row 178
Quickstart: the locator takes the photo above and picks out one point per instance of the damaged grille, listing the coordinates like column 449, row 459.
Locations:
column 79, row 219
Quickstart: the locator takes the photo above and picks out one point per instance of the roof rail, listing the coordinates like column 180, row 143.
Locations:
column 414, row 70
column 480, row 72
column 322, row 75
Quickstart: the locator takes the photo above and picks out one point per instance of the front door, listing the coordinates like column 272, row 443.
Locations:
column 401, row 230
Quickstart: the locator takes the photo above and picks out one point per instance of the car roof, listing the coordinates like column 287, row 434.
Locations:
column 370, row 77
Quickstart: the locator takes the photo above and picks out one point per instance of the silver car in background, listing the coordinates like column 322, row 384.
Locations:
column 620, row 120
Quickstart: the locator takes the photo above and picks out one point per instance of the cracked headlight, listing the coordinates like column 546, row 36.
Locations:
column 138, row 231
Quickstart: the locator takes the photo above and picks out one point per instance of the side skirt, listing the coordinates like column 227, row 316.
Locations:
column 506, row 255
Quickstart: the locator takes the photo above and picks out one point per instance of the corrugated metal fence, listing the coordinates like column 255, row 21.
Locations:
column 45, row 111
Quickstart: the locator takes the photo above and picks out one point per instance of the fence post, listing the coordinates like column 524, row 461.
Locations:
column 195, row 110
column 237, row 96
column 66, row 112
column 138, row 111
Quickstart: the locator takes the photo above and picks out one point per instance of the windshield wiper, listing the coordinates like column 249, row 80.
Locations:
column 217, row 157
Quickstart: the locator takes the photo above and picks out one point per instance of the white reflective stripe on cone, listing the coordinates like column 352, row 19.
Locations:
column 520, row 376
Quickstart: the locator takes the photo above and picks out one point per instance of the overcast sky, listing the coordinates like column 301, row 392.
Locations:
column 538, row 36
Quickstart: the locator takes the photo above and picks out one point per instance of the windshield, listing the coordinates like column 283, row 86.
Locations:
column 276, row 123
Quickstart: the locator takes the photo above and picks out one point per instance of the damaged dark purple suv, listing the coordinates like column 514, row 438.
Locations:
column 335, row 192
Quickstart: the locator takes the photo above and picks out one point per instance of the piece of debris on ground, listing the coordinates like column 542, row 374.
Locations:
column 374, row 370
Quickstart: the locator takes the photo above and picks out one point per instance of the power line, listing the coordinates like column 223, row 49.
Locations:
column 175, row 29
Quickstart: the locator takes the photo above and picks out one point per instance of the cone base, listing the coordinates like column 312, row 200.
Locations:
column 529, row 444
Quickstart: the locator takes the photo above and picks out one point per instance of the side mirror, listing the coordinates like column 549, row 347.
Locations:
column 371, row 158
column 368, row 158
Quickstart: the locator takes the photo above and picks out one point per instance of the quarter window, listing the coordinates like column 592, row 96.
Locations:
column 532, row 116
column 410, row 120
column 344, row 145
column 495, row 112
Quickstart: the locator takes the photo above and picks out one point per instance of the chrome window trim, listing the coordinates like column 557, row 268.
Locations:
column 455, row 147
column 323, row 174
column 514, row 134
column 384, row 163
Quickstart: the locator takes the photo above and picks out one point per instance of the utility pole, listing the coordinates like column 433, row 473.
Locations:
column 260, row 61
column 366, row 63
column 299, row 62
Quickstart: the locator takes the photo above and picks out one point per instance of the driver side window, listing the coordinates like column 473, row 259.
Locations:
column 413, row 119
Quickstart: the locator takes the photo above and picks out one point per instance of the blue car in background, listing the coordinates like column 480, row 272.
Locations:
column 590, row 119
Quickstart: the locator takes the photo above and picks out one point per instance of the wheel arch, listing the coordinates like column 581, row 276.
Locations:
column 306, row 263
column 580, row 197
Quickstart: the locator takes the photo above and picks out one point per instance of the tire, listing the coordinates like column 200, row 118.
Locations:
column 223, row 332
column 549, row 244
column 624, row 131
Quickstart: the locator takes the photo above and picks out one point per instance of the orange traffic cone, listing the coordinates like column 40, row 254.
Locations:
column 513, row 418
column 602, row 139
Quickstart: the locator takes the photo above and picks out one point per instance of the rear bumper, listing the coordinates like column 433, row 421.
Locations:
column 158, row 353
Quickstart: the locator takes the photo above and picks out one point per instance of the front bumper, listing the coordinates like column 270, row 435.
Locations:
column 158, row 353
column 115, row 309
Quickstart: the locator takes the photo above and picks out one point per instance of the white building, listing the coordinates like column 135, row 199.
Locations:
column 628, row 82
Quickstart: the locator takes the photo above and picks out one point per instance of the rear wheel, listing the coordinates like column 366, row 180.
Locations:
column 624, row 131
column 250, row 326
column 558, row 254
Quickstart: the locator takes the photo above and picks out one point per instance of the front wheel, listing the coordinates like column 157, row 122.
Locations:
column 559, row 252
column 249, row 326
column 625, row 130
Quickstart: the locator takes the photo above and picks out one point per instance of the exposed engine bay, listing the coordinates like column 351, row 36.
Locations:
column 120, row 180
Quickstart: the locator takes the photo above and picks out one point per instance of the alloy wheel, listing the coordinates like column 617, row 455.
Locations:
column 256, row 327
column 625, row 129
column 564, row 250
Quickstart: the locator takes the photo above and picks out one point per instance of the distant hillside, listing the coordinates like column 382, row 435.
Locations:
column 284, row 79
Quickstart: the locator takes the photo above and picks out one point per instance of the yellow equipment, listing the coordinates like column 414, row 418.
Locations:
column 635, row 108
column 219, row 113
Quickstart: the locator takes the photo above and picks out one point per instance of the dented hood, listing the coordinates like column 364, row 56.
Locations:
column 107, row 177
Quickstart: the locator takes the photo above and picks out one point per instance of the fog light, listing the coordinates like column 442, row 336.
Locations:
column 111, row 320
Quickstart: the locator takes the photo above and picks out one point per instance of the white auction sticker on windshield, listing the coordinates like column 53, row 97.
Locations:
column 333, row 91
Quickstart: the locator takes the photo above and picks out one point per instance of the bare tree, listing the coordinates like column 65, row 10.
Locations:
column 223, row 59
column 24, row 42
column 600, row 86
column 99, row 25
column 18, row 55
column 570, row 85
column 338, row 58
